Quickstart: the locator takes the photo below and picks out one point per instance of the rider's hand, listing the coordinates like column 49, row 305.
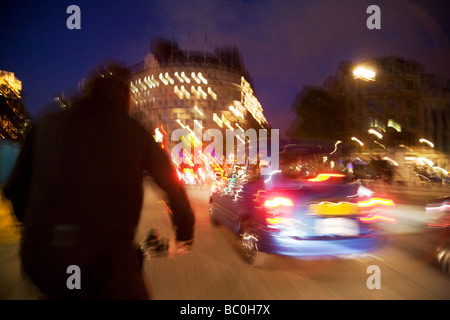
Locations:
column 179, row 248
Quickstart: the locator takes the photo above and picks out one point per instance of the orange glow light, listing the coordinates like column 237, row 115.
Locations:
column 275, row 220
column 374, row 201
column 375, row 218
column 278, row 202
column 326, row 176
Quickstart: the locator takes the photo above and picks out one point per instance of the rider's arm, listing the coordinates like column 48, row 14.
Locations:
column 160, row 168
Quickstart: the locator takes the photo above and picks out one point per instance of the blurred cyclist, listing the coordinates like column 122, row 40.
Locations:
column 76, row 187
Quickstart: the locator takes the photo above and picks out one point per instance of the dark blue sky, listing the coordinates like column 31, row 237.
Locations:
column 285, row 44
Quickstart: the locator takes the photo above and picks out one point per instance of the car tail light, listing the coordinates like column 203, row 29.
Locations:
column 439, row 225
column 441, row 222
column 274, row 205
column 375, row 201
column 279, row 201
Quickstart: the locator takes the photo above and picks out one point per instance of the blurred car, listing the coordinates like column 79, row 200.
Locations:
column 440, row 228
column 302, row 210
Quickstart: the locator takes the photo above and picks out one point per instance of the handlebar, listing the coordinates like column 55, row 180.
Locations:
column 154, row 246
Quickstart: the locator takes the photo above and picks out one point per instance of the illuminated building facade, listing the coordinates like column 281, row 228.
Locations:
column 174, row 89
column 394, row 97
column 10, row 79
column 15, row 119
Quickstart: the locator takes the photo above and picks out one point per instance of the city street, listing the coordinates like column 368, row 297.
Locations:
column 351, row 101
column 214, row 269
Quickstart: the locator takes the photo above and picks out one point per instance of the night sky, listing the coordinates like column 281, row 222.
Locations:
column 284, row 44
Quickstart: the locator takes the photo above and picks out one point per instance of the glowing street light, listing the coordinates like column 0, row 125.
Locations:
column 431, row 144
column 335, row 146
column 364, row 74
column 374, row 132
column 357, row 140
column 380, row 144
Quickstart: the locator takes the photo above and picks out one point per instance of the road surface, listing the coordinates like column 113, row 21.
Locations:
column 215, row 271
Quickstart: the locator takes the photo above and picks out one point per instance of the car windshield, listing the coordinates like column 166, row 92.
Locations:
column 306, row 163
column 305, row 166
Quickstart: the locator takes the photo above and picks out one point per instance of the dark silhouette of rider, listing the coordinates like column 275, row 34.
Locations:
column 77, row 189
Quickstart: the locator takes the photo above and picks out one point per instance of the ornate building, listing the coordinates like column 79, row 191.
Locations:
column 174, row 89
column 394, row 97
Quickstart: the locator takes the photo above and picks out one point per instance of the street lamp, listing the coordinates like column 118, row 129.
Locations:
column 335, row 146
column 376, row 133
column 364, row 74
column 431, row 144
column 357, row 140
column 380, row 144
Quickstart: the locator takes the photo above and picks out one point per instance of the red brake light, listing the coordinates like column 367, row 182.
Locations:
column 326, row 176
column 272, row 204
column 279, row 201
column 442, row 222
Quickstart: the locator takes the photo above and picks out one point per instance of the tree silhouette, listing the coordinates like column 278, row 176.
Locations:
column 316, row 113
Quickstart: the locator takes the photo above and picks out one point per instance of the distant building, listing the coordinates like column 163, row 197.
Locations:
column 14, row 117
column 174, row 89
column 10, row 79
column 394, row 97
